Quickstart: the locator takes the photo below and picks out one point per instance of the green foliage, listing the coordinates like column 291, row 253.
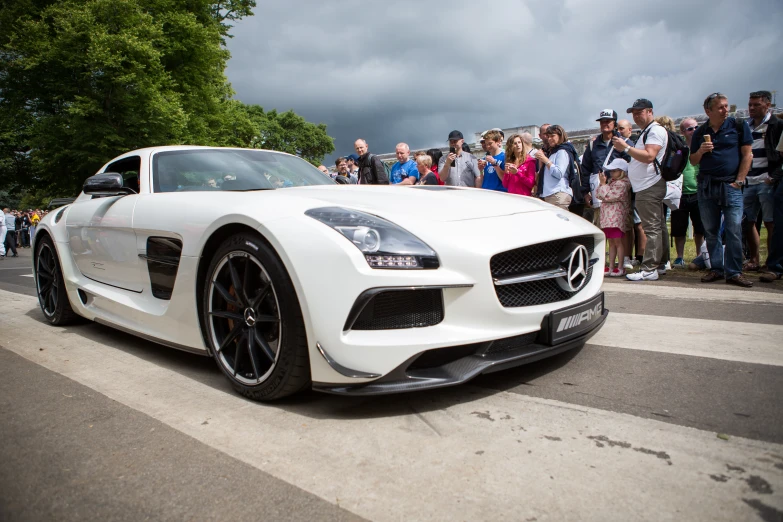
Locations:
column 290, row 133
column 82, row 81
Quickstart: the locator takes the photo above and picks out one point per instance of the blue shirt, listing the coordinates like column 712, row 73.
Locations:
column 724, row 160
column 556, row 176
column 491, row 179
column 400, row 171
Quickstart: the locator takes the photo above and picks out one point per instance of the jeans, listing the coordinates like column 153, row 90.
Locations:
column 775, row 258
column 730, row 264
column 649, row 205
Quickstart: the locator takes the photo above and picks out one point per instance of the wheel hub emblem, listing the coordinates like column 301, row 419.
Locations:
column 250, row 317
column 576, row 275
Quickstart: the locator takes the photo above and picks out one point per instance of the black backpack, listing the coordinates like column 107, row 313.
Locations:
column 575, row 179
column 675, row 159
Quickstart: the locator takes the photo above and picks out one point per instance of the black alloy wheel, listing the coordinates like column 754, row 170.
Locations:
column 49, row 283
column 253, row 322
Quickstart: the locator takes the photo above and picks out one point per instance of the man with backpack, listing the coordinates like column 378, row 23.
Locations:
column 371, row 169
column 722, row 149
column 648, row 184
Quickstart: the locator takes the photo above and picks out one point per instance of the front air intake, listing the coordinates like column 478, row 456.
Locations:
column 391, row 309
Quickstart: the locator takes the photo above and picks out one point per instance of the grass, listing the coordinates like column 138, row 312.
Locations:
column 690, row 248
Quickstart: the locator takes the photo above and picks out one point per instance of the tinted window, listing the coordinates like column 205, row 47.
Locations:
column 231, row 170
column 129, row 168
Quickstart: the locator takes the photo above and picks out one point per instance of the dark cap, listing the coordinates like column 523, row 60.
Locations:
column 352, row 157
column 607, row 114
column 456, row 135
column 641, row 103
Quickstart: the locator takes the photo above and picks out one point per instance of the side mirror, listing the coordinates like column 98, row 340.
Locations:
column 106, row 184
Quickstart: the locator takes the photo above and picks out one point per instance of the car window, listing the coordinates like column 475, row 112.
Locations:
column 129, row 168
column 231, row 170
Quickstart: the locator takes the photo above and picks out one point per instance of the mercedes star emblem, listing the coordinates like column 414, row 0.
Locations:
column 250, row 317
column 576, row 276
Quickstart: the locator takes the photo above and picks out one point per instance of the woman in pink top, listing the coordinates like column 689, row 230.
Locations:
column 520, row 175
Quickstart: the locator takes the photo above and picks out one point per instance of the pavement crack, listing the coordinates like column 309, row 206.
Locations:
column 425, row 421
column 720, row 478
column 607, row 440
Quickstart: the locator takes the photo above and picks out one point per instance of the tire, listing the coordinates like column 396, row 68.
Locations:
column 50, row 286
column 252, row 320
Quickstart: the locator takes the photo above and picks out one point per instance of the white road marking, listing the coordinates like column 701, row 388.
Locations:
column 455, row 454
column 16, row 268
column 26, row 275
column 726, row 340
column 703, row 293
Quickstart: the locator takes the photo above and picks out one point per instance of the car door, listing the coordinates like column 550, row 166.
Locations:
column 100, row 232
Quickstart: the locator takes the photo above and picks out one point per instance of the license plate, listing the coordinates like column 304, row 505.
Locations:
column 575, row 320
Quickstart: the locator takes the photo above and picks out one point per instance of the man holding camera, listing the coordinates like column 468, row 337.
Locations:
column 493, row 166
column 459, row 168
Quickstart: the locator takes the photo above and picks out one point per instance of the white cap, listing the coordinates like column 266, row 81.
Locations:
column 618, row 163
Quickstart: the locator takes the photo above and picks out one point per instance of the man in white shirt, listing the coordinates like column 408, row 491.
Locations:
column 647, row 184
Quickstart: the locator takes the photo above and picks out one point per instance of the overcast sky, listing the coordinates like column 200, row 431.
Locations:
column 391, row 71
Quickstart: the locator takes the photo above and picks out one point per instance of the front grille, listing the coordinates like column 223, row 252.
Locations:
column 534, row 258
column 395, row 309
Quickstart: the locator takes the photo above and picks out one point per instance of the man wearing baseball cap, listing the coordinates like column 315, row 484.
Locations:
column 647, row 184
column 459, row 168
column 599, row 153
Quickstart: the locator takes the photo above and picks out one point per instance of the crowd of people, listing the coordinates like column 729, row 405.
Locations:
column 17, row 229
column 729, row 186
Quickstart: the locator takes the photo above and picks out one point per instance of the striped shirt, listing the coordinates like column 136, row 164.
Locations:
column 759, row 170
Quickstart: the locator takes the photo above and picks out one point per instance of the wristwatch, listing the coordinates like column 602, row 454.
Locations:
column 626, row 149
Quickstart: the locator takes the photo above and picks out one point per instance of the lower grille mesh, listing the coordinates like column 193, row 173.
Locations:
column 395, row 309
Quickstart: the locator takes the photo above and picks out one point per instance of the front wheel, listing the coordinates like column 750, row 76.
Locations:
column 50, row 285
column 253, row 320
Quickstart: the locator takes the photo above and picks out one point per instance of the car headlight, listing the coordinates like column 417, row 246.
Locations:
column 384, row 244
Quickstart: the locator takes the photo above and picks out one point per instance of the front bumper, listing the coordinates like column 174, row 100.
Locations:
column 467, row 362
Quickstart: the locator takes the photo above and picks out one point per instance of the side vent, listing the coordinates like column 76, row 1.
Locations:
column 163, row 254
column 59, row 214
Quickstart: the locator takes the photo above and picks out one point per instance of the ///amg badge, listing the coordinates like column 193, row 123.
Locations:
column 576, row 320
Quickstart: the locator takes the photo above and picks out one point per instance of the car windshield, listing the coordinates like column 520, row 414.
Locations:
column 232, row 170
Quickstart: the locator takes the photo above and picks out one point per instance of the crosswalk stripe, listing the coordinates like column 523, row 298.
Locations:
column 703, row 293
column 725, row 340
column 454, row 454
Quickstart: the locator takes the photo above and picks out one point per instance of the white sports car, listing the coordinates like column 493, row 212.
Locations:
column 289, row 280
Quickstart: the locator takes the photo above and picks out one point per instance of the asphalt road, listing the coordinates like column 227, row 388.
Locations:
column 671, row 412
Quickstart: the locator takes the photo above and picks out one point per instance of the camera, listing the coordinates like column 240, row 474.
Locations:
column 616, row 133
column 453, row 150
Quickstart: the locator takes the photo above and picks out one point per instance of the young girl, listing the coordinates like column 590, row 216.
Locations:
column 615, row 199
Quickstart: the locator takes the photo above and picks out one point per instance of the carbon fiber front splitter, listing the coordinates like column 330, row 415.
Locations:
column 407, row 377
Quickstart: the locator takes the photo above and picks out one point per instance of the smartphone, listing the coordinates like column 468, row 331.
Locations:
column 616, row 133
column 453, row 150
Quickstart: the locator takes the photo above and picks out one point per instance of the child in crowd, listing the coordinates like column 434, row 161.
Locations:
column 615, row 199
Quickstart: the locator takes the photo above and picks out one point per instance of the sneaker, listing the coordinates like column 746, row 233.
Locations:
column 739, row 280
column 769, row 277
column 643, row 275
column 617, row 273
column 678, row 263
column 635, row 262
column 627, row 263
column 606, row 270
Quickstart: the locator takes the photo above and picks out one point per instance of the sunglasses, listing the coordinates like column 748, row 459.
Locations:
column 689, row 129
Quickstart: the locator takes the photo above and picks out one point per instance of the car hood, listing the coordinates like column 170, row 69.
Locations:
column 428, row 203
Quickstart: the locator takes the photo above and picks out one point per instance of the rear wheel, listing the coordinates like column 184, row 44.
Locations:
column 253, row 320
column 49, row 282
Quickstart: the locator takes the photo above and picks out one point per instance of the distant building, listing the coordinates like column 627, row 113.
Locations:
column 578, row 138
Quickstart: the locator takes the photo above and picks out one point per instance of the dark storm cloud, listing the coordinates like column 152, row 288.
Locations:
column 414, row 70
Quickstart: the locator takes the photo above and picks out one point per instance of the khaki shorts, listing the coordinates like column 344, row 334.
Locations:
column 559, row 199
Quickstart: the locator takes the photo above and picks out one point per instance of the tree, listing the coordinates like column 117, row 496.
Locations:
column 289, row 132
column 82, row 81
